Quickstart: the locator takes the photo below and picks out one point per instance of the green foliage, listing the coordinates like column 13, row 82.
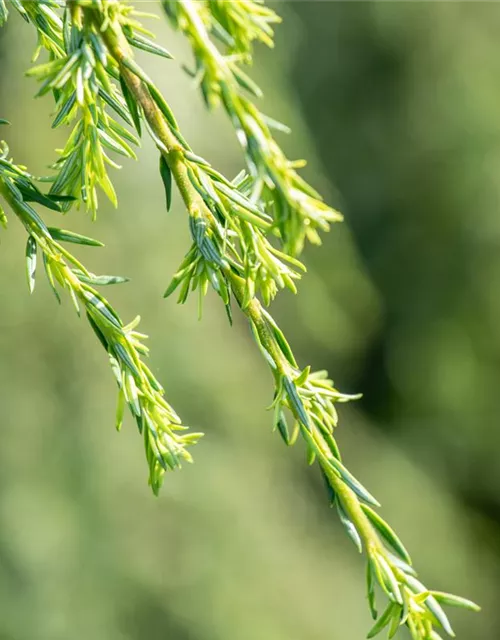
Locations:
column 245, row 233
column 138, row 388
column 297, row 209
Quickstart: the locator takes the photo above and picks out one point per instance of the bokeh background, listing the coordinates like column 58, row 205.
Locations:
column 397, row 108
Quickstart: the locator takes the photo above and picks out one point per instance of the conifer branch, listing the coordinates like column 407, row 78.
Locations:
column 310, row 397
column 297, row 209
column 137, row 386
column 91, row 72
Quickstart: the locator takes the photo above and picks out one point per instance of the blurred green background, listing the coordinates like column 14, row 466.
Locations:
column 397, row 108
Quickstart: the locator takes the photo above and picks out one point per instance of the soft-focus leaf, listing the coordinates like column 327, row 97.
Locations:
column 166, row 176
column 63, row 235
column 31, row 248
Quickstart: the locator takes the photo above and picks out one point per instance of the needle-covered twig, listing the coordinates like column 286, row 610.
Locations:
column 235, row 226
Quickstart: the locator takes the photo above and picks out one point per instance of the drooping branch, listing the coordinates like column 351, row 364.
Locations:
column 161, row 428
column 234, row 225
column 308, row 396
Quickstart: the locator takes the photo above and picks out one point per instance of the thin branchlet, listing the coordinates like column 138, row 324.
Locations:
column 164, row 436
column 298, row 211
column 245, row 233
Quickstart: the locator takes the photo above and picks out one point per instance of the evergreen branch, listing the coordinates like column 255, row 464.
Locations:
column 298, row 210
column 81, row 75
column 158, row 423
column 90, row 49
column 82, row 80
column 310, row 397
column 238, row 24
